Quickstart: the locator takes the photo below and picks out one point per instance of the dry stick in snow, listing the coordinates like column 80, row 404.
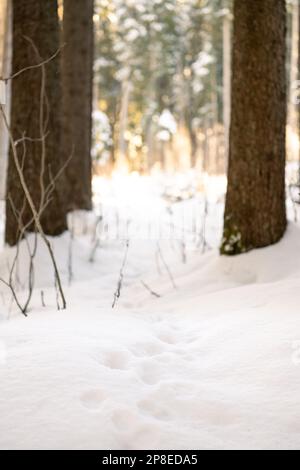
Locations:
column 35, row 213
column 155, row 294
column 96, row 239
column 43, row 299
column 95, row 236
column 166, row 266
column 70, row 252
column 31, row 67
column 204, row 226
column 32, row 253
column 45, row 192
column 117, row 294
column 183, row 251
column 171, row 225
column 10, row 283
column 157, row 258
column 183, row 246
column 294, row 203
column 202, row 235
column 94, row 251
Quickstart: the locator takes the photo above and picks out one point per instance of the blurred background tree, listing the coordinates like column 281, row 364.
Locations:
column 159, row 84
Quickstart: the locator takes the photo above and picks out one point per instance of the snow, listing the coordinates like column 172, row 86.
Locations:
column 212, row 364
column 167, row 121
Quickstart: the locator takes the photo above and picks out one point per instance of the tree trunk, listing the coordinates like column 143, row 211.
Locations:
column 123, row 122
column 36, row 21
column 298, row 78
column 226, row 80
column 2, row 28
column 292, row 108
column 193, row 144
column 255, row 213
column 6, row 57
column 77, row 69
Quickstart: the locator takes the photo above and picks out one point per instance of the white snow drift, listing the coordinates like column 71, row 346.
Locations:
column 214, row 364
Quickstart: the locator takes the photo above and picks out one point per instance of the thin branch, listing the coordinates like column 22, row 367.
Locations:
column 32, row 67
column 34, row 211
column 117, row 294
column 32, row 253
column 155, row 294
column 166, row 266
column 43, row 299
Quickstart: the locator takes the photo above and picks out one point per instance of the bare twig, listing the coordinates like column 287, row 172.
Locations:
column 32, row 67
column 94, row 251
column 70, row 251
column 166, row 266
column 294, row 202
column 202, row 236
column 204, row 226
column 117, row 293
column 157, row 259
column 96, row 239
column 33, row 209
column 183, row 251
column 45, row 192
column 10, row 283
column 155, row 294
column 43, row 299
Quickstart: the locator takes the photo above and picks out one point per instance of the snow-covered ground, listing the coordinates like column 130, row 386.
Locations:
column 212, row 362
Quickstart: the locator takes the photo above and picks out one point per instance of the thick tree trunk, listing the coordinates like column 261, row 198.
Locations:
column 123, row 122
column 77, row 67
column 298, row 78
column 255, row 213
column 292, row 108
column 226, row 80
column 193, row 145
column 2, row 28
column 6, row 57
column 38, row 21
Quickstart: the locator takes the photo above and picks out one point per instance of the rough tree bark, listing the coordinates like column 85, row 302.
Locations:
column 77, row 69
column 226, row 77
column 123, row 122
column 298, row 77
column 35, row 21
column 293, row 72
column 255, row 213
column 6, row 57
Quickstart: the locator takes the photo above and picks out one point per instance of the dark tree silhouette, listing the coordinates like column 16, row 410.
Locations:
column 35, row 115
column 78, row 37
column 255, row 213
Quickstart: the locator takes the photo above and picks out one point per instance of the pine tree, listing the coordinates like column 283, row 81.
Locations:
column 255, row 213
column 35, row 38
column 5, row 71
column 107, row 86
column 171, row 54
column 299, row 83
column 77, row 72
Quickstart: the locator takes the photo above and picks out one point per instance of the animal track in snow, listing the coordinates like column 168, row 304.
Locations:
column 116, row 360
column 154, row 409
column 124, row 419
column 149, row 373
column 176, row 401
column 93, row 399
column 147, row 349
column 167, row 337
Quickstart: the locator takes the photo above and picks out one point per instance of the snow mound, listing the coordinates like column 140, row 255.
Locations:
column 213, row 364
